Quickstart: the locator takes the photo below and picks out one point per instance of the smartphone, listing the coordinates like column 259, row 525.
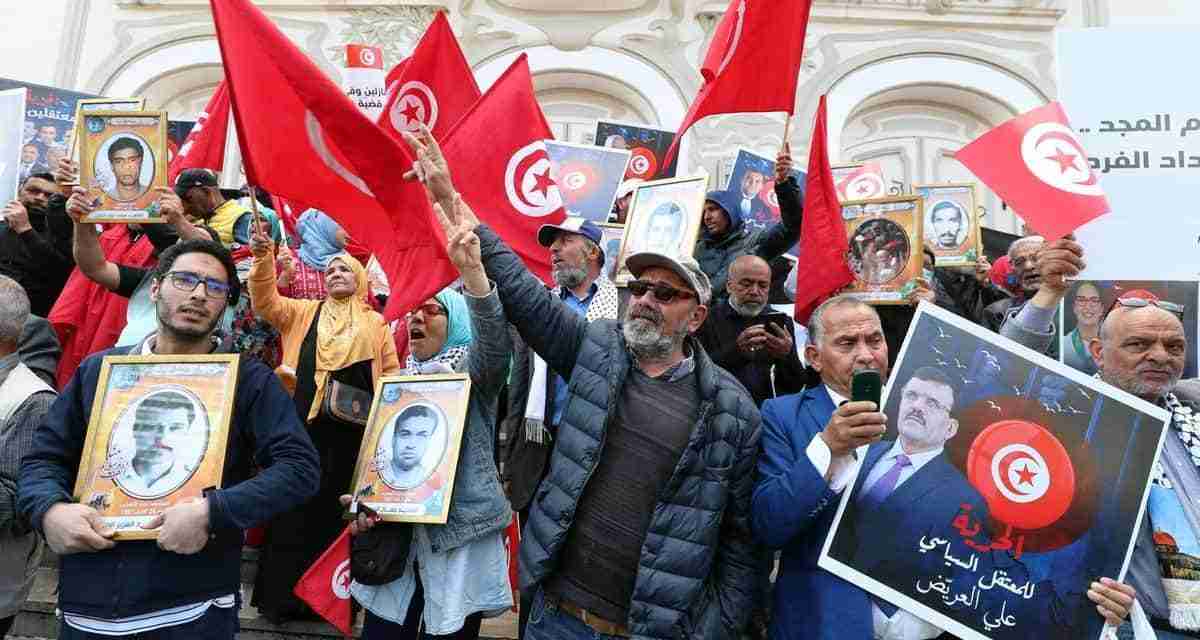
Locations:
column 779, row 319
column 865, row 386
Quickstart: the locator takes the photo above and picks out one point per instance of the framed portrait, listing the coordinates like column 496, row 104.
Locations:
column 860, row 181
column 647, row 147
column 664, row 217
column 409, row 453
column 90, row 105
column 1087, row 301
column 885, row 247
column 1024, row 480
column 611, row 235
column 951, row 224
column 123, row 158
column 157, row 435
column 587, row 176
column 751, row 183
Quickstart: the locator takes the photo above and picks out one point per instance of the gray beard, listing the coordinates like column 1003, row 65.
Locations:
column 568, row 276
column 647, row 341
column 1139, row 389
column 748, row 309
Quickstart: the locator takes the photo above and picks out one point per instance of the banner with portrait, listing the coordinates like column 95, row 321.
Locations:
column 16, row 163
column 885, row 248
column 1005, row 484
column 1087, row 301
column 951, row 225
column 409, row 453
column 157, row 436
column 664, row 217
column 123, row 158
column 587, row 177
column 647, row 147
column 752, row 185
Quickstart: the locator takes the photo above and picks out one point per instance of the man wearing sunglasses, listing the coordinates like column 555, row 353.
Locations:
column 188, row 579
column 641, row 527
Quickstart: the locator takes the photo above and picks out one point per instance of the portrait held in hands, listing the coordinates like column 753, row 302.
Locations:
column 664, row 217
column 884, row 237
column 123, row 158
column 951, row 224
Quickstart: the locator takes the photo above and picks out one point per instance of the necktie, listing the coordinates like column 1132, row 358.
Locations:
column 745, row 207
column 886, row 484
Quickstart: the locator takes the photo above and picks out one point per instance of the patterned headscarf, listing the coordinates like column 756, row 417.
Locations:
column 458, row 336
column 318, row 239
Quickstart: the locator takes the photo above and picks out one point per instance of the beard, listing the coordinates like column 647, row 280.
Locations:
column 569, row 276
column 1131, row 383
column 644, row 333
column 186, row 333
column 747, row 309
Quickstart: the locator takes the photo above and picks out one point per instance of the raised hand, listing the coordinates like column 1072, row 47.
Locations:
column 783, row 163
column 79, row 205
column 430, row 167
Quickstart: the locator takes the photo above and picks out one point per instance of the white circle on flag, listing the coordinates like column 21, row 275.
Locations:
column 574, row 180
column 527, row 182
column 1020, row 473
column 340, row 585
column 367, row 57
column 1053, row 154
column 736, row 38
column 640, row 165
column 415, row 104
column 316, row 138
column 865, row 186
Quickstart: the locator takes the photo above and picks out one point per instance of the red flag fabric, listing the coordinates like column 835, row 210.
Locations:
column 326, row 585
column 394, row 75
column 302, row 139
column 821, row 270
column 435, row 87
column 205, row 144
column 1037, row 165
column 509, row 187
column 512, row 543
column 753, row 62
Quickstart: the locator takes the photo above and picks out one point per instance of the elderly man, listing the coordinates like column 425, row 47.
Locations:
column 745, row 339
column 640, row 528
column 620, row 208
column 35, row 242
column 811, row 441
column 1023, row 258
column 24, row 400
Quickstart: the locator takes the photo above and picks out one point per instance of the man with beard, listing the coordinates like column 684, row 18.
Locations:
column 1023, row 256
column 187, row 579
column 640, row 527
column 745, row 339
column 125, row 156
column 160, row 423
column 947, row 225
column 1087, row 307
column 35, row 242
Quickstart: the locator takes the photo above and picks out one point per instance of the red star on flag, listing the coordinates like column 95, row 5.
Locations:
column 1026, row 476
column 1065, row 160
column 412, row 112
column 544, row 182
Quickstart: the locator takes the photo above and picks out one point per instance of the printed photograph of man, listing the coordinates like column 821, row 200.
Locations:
column 946, row 225
column 663, row 230
column 164, row 448
column 414, row 430
column 29, row 164
column 47, row 136
column 879, row 251
column 125, row 155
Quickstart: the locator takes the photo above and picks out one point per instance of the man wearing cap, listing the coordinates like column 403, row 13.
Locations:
column 620, row 210
column 640, row 528
column 726, row 235
column 204, row 201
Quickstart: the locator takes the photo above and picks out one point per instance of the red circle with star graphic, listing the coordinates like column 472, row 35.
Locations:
column 1024, row 473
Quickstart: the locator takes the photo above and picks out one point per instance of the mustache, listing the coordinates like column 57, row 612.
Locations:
column 916, row 413
column 645, row 312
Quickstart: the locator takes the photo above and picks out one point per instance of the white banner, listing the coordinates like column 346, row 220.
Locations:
column 1138, row 116
column 12, row 139
column 364, row 78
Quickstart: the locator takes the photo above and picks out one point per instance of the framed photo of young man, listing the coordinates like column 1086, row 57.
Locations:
column 409, row 453
column 123, row 158
column 664, row 217
column 156, row 436
column 885, row 247
column 951, row 225
column 1004, row 485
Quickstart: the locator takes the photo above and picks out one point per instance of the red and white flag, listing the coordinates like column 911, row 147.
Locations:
column 302, row 139
column 821, row 269
column 326, row 585
column 753, row 62
column 510, row 187
column 862, row 183
column 435, row 86
column 205, row 144
column 1037, row 165
column 1023, row 472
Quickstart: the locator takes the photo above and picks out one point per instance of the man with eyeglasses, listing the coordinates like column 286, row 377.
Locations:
column 185, row 583
column 640, row 528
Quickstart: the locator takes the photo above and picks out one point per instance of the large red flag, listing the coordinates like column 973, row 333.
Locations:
column 822, row 269
column 205, row 144
column 326, row 585
column 1036, row 164
column 435, row 86
column 302, row 139
column 509, row 187
column 753, row 62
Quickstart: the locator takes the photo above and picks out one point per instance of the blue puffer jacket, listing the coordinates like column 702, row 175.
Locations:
column 698, row 563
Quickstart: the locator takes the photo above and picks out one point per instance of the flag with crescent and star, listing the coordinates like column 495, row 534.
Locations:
column 302, row 139
column 1037, row 165
column 325, row 586
column 511, row 187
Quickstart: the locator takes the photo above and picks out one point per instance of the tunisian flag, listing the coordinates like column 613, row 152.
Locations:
column 435, row 87
column 509, row 187
column 302, row 139
column 205, row 144
column 1036, row 163
column 753, row 62
column 326, row 585
column 821, row 270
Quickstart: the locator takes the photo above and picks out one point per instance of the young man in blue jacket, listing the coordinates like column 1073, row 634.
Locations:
column 186, row 583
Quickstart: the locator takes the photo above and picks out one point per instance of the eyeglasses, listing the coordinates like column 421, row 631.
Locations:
column 428, row 310
column 1141, row 303
column 188, row 281
column 927, row 401
column 663, row 293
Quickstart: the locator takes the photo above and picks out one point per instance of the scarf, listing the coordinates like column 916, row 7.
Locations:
column 1174, row 539
column 458, row 338
column 318, row 239
column 604, row 306
column 343, row 337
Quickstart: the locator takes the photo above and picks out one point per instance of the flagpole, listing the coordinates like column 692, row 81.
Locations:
column 787, row 129
column 254, row 207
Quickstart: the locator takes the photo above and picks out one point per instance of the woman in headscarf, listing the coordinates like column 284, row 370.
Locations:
column 333, row 352
column 321, row 240
column 453, row 575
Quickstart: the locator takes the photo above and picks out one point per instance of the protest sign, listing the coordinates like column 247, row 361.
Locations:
column 16, row 162
column 1026, row 481
column 587, row 177
column 49, row 118
column 951, row 223
column 363, row 79
column 752, row 185
column 1143, row 141
column 647, row 145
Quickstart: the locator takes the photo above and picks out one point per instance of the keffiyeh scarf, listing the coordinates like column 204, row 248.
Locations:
column 1177, row 544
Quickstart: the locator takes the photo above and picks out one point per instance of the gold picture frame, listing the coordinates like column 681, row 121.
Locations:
column 409, row 454
column 142, row 135
column 967, row 243
column 885, row 253
column 156, row 436
column 681, row 199
column 89, row 105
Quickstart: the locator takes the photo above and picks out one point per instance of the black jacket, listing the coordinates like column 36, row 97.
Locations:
column 719, row 337
column 40, row 260
column 698, row 565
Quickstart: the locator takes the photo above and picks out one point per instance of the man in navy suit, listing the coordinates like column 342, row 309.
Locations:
column 809, row 447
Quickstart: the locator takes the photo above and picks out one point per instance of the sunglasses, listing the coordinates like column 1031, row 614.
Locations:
column 188, row 281
column 428, row 310
column 1140, row 303
column 663, row 293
